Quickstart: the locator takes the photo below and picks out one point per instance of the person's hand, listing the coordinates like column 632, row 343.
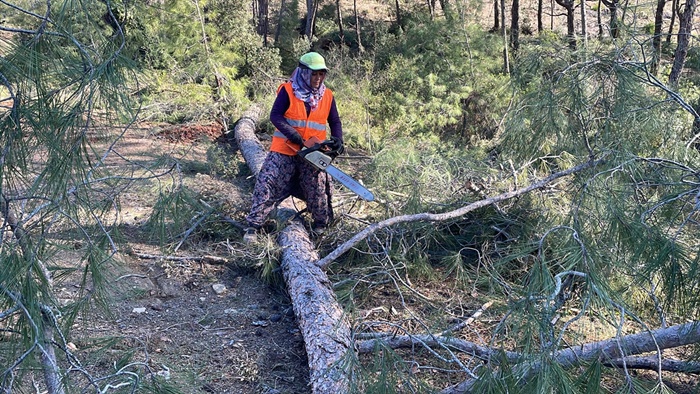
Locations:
column 336, row 146
column 296, row 139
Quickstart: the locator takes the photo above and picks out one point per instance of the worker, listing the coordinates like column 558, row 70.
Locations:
column 303, row 109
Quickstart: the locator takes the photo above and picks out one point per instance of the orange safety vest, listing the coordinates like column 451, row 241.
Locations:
column 313, row 125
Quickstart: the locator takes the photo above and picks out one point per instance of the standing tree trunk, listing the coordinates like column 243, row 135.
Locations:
column 551, row 15
column 262, row 18
column 570, row 30
column 357, row 27
column 515, row 26
column 399, row 23
column 445, row 5
column 280, row 19
column 656, row 40
column 584, row 24
column 506, row 58
column 674, row 8
column 613, row 6
column 310, row 19
column 685, row 29
column 540, row 10
column 599, row 19
column 496, row 17
column 431, row 8
column 341, row 32
column 52, row 373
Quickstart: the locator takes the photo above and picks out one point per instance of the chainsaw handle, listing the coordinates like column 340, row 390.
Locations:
column 311, row 145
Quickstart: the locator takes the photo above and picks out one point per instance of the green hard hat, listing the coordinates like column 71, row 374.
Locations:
column 314, row 61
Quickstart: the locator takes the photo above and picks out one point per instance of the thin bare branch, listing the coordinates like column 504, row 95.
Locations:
column 436, row 217
column 467, row 321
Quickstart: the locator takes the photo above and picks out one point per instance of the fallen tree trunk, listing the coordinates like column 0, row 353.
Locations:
column 244, row 132
column 321, row 319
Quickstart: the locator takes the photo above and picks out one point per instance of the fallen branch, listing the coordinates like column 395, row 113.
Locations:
column 468, row 321
column 436, row 217
column 652, row 363
column 609, row 351
column 410, row 341
column 206, row 258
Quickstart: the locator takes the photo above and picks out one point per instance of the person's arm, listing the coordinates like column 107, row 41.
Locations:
column 279, row 107
column 334, row 122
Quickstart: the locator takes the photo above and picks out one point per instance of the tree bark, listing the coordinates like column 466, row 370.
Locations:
column 613, row 6
column 674, row 8
column 584, row 23
column 321, row 319
column 609, row 349
column 341, row 31
column 570, row 30
column 399, row 22
column 280, row 18
column 656, row 39
column 515, row 26
column 599, row 20
column 357, row 27
column 263, row 19
column 685, row 30
column 310, row 19
column 445, row 5
column 504, row 30
column 551, row 15
column 540, row 10
column 49, row 363
column 244, row 132
column 496, row 17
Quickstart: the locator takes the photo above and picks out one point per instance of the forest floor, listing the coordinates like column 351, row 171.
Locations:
column 201, row 320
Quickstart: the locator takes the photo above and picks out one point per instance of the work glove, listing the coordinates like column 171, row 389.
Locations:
column 336, row 146
column 296, row 139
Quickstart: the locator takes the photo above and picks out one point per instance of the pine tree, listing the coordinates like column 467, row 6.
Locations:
column 63, row 74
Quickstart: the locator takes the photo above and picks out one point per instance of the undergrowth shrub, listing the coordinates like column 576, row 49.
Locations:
column 428, row 87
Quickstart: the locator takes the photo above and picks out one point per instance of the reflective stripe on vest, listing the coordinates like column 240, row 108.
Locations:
column 313, row 125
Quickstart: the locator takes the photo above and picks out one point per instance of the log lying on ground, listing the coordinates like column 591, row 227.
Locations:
column 244, row 132
column 611, row 351
column 321, row 319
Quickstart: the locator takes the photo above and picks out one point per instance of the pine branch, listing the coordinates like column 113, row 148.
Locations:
column 613, row 351
column 468, row 321
column 436, row 217
column 409, row 341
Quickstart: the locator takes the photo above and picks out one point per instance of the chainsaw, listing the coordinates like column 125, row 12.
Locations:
column 317, row 152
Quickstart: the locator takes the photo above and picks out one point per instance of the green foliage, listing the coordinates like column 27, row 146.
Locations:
column 584, row 108
column 289, row 40
column 59, row 199
column 220, row 163
column 384, row 373
column 416, row 175
column 430, row 102
column 427, row 87
column 199, row 55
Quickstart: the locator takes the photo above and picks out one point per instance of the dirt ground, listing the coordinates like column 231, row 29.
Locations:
column 199, row 320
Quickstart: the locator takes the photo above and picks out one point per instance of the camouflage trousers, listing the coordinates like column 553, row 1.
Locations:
column 282, row 176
